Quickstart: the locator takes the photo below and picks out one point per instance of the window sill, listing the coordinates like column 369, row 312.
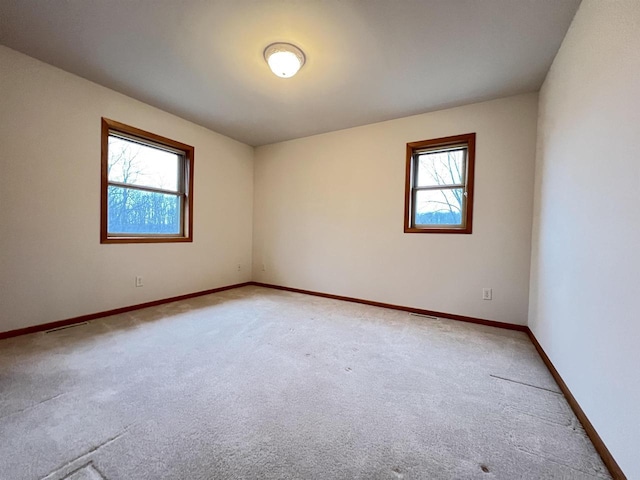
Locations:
column 146, row 239
column 466, row 230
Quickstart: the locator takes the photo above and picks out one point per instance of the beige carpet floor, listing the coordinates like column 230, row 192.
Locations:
column 255, row 383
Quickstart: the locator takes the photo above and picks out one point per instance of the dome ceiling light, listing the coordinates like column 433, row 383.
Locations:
column 284, row 59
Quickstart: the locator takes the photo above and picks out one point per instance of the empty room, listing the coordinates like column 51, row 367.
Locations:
column 319, row 239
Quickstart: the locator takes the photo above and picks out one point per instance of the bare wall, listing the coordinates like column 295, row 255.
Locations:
column 585, row 278
column 52, row 265
column 328, row 214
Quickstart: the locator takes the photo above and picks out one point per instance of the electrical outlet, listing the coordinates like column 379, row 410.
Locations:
column 139, row 281
column 264, row 267
column 487, row 294
column 239, row 267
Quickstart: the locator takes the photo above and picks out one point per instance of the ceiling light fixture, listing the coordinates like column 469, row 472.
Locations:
column 284, row 59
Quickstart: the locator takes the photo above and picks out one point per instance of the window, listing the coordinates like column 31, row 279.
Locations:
column 439, row 185
column 147, row 187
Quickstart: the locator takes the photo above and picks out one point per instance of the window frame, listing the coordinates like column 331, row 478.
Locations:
column 185, row 187
column 413, row 148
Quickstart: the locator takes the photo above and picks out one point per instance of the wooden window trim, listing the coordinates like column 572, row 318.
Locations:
column 412, row 147
column 187, row 205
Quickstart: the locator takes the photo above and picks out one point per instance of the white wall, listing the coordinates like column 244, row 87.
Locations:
column 328, row 214
column 585, row 280
column 52, row 265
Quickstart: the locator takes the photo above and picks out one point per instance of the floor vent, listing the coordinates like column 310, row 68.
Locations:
column 423, row 316
column 66, row 326
column 524, row 383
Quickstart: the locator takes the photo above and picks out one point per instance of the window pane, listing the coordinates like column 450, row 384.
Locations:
column 136, row 211
column 440, row 168
column 439, row 207
column 131, row 162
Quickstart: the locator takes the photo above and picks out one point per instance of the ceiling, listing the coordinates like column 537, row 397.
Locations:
column 367, row 60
